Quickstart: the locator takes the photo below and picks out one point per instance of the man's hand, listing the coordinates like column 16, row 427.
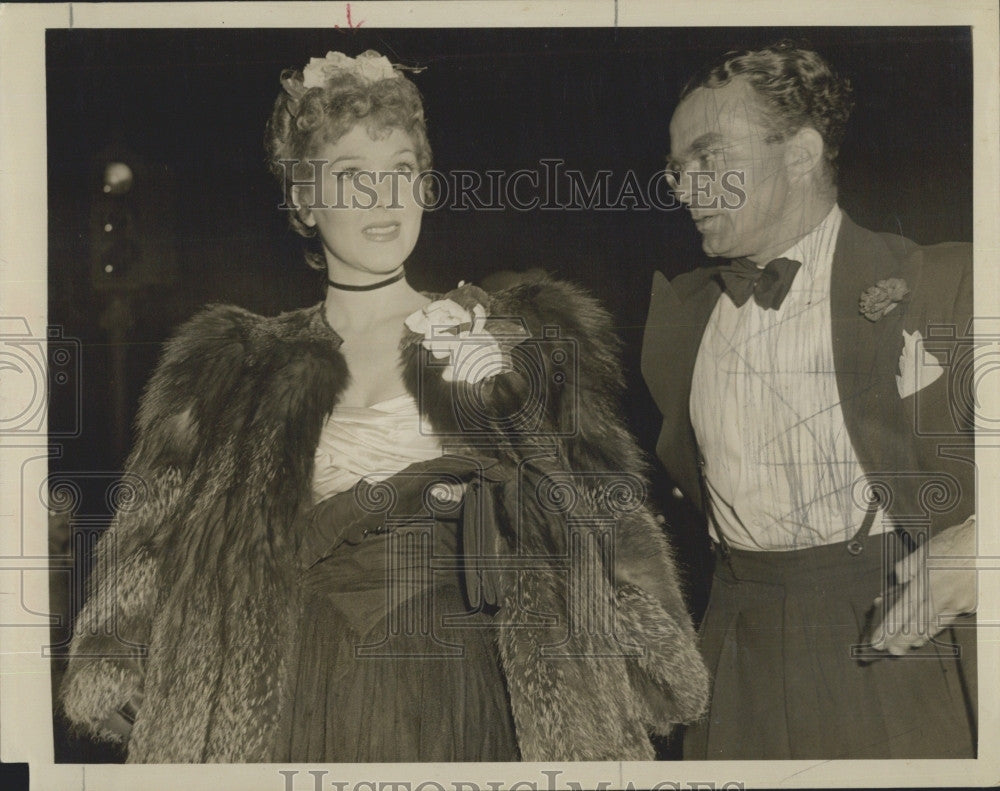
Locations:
column 933, row 597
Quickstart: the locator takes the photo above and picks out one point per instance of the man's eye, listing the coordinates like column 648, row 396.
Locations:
column 709, row 158
column 701, row 159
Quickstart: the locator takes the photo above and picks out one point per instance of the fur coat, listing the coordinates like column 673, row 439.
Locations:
column 195, row 595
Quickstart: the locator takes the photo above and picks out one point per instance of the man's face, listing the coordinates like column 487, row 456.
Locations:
column 733, row 175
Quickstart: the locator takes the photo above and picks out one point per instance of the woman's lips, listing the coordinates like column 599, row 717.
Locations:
column 381, row 232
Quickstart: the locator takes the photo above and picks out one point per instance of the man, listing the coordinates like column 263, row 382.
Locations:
column 806, row 411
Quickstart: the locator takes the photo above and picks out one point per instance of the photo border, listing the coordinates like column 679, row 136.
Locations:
column 25, row 717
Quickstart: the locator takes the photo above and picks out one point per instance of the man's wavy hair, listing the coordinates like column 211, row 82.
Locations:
column 299, row 127
column 797, row 86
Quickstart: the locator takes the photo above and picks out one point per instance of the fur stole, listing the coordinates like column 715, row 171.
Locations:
column 200, row 566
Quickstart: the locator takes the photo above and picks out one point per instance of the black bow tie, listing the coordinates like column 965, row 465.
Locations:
column 768, row 285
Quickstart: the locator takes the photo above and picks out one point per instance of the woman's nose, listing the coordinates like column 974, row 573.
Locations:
column 387, row 189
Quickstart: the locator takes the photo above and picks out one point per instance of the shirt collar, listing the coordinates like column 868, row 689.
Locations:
column 816, row 245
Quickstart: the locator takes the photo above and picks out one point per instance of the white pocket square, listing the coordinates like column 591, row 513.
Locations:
column 918, row 368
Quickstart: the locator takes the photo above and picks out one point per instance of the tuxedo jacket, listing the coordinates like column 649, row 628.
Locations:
column 916, row 449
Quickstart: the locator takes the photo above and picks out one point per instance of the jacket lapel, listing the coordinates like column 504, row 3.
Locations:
column 678, row 314
column 866, row 357
column 866, row 353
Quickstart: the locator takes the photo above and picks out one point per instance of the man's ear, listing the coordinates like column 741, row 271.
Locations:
column 302, row 199
column 804, row 152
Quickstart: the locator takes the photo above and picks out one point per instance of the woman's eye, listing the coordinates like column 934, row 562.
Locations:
column 347, row 173
column 406, row 167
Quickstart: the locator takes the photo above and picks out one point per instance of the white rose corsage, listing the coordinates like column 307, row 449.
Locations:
column 458, row 329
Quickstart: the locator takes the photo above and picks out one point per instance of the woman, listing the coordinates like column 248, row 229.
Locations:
column 388, row 527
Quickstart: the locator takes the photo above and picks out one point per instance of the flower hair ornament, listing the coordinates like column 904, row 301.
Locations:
column 883, row 297
column 368, row 67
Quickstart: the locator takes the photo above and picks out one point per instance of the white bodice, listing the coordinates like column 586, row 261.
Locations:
column 371, row 442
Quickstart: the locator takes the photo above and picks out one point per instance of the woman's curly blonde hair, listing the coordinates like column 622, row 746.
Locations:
column 305, row 119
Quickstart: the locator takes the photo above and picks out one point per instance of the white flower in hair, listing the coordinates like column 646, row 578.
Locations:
column 369, row 66
column 374, row 67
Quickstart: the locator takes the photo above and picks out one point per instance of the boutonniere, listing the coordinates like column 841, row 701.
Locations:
column 881, row 298
column 458, row 329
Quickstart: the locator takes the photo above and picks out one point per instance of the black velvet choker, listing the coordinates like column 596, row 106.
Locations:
column 371, row 286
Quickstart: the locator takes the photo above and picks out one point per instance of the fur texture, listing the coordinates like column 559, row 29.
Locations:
column 201, row 566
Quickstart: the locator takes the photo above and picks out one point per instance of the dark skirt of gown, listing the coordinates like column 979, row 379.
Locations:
column 390, row 665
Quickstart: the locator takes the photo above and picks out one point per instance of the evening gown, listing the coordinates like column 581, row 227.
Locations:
column 408, row 675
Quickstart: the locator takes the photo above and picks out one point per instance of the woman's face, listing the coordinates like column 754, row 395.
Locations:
column 366, row 212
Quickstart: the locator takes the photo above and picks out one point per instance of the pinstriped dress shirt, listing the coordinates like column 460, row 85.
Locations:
column 781, row 471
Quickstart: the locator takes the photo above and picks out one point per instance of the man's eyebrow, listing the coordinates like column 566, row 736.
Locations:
column 703, row 141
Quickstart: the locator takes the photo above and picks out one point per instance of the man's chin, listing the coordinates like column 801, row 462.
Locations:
column 713, row 250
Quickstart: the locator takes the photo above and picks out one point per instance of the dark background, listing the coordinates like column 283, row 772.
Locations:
column 186, row 109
